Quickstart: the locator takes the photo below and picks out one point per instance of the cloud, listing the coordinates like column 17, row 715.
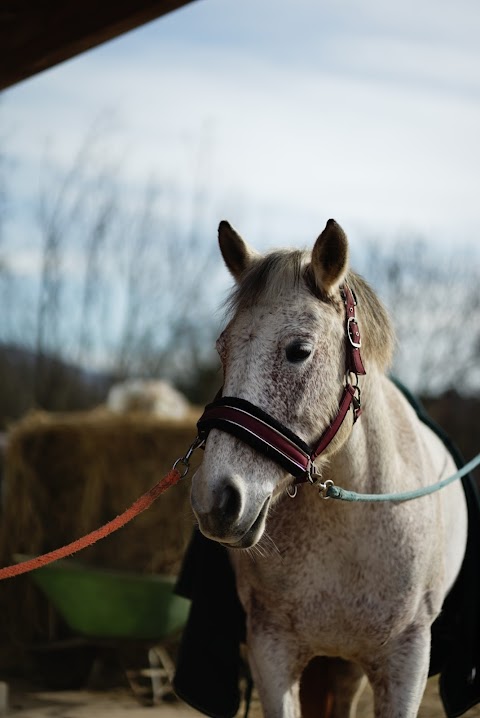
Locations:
column 301, row 111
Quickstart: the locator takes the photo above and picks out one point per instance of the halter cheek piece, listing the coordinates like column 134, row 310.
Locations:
column 274, row 440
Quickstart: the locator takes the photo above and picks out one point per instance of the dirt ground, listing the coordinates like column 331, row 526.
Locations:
column 120, row 703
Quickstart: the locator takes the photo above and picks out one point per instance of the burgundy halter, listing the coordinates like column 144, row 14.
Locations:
column 268, row 436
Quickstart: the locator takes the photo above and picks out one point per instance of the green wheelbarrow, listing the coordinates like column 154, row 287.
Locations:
column 106, row 605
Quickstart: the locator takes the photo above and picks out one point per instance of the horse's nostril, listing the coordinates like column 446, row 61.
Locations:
column 230, row 503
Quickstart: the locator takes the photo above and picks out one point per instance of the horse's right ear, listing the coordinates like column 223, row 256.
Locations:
column 236, row 253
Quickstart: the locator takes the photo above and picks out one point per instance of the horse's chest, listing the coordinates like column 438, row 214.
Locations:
column 323, row 613
column 335, row 588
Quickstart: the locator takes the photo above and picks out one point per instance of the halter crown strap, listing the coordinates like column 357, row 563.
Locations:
column 270, row 437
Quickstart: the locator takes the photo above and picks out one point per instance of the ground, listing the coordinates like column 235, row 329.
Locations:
column 120, row 703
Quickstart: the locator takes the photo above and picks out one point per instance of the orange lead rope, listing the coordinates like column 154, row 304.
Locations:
column 140, row 505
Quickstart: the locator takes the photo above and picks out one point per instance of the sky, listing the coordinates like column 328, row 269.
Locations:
column 285, row 113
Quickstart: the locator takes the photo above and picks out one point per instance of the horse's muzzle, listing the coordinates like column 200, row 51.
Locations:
column 229, row 519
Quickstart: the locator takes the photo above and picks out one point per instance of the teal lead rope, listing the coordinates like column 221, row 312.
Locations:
column 336, row 492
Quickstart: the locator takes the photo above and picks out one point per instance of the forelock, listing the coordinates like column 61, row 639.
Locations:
column 270, row 276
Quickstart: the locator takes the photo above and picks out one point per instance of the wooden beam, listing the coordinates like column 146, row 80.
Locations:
column 37, row 34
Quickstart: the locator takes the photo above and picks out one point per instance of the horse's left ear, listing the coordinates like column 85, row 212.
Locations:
column 330, row 257
column 237, row 255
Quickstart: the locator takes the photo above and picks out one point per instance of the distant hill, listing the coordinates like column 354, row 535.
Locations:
column 47, row 382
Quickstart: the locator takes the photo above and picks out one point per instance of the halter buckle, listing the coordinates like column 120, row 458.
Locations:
column 358, row 344
column 313, row 474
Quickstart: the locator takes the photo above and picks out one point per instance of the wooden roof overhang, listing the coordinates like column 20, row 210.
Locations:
column 37, row 34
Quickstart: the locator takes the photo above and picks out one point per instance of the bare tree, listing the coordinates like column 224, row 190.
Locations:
column 4, row 268
column 168, row 310
column 60, row 207
column 95, row 249
column 121, row 277
column 433, row 299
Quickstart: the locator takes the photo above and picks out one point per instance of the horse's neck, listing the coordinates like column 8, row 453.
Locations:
column 367, row 459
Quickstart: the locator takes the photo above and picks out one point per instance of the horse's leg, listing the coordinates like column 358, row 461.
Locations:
column 348, row 681
column 330, row 688
column 276, row 667
column 316, row 694
column 398, row 679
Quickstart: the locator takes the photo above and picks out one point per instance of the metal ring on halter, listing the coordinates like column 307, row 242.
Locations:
column 186, row 467
column 185, row 460
column 323, row 489
column 295, row 489
column 348, row 376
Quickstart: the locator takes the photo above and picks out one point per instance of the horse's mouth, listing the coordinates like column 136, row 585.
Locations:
column 254, row 533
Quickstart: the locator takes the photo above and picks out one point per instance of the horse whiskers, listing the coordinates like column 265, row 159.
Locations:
column 265, row 548
column 271, row 545
column 252, row 552
column 256, row 551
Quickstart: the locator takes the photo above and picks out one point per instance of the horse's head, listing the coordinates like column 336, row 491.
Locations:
column 283, row 350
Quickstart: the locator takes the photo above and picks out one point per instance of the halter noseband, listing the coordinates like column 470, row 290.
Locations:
column 274, row 440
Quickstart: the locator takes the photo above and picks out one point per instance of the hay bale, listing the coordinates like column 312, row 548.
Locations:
column 66, row 475
column 154, row 396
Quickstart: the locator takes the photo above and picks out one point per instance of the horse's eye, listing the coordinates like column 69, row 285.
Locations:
column 298, row 351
